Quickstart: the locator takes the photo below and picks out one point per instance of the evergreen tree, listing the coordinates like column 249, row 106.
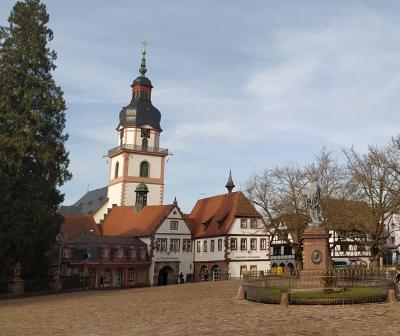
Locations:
column 33, row 159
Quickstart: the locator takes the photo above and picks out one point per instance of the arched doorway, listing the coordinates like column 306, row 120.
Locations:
column 165, row 276
column 204, row 273
column 274, row 268
column 215, row 273
column 290, row 268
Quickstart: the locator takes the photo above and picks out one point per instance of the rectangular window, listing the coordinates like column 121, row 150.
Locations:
column 253, row 243
column 186, row 245
column 243, row 223
column 360, row 248
column 174, row 245
column 142, row 254
column 212, row 245
column 205, row 246
column 158, row 244
column 233, row 244
column 219, row 244
column 276, row 250
column 243, row 268
column 344, row 247
column 130, row 275
column 163, row 244
column 253, row 223
column 243, row 244
column 253, row 267
column 287, row 250
column 393, row 240
column 263, row 244
column 198, row 248
column 174, row 225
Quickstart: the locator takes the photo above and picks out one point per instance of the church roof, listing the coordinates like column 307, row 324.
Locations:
column 214, row 216
column 88, row 204
column 125, row 221
column 140, row 112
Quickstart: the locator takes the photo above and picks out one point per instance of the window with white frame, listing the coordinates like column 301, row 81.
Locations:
column 253, row 244
column 243, row 268
column 205, row 246
column 243, row 244
column 173, row 225
column 219, row 244
column 243, row 223
column 174, row 245
column 253, row 223
column 186, row 245
column 263, row 244
column 198, row 247
column 212, row 246
column 161, row 244
column 233, row 244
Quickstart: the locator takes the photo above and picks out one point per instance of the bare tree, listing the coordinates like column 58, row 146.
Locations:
column 279, row 195
column 375, row 180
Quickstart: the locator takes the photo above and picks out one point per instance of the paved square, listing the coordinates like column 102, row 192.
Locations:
column 190, row 309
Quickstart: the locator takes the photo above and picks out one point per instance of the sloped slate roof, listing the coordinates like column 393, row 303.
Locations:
column 214, row 215
column 88, row 204
column 106, row 240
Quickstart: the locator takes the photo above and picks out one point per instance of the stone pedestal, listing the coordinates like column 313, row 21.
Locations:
column 316, row 256
column 17, row 284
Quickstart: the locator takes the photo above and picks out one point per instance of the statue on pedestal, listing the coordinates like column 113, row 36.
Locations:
column 313, row 201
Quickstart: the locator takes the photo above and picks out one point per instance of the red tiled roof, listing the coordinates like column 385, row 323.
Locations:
column 75, row 226
column 123, row 220
column 213, row 216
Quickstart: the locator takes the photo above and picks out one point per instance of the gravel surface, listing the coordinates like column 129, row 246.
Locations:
column 190, row 309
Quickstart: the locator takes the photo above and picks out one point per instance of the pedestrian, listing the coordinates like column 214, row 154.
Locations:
column 181, row 279
column 102, row 281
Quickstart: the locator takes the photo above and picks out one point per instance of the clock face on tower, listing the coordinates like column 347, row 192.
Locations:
column 316, row 257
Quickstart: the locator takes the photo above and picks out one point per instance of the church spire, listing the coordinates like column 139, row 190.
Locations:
column 143, row 69
column 230, row 185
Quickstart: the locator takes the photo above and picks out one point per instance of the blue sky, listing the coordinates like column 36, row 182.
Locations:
column 242, row 85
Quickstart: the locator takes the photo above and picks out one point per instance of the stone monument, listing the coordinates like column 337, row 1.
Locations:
column 315, row 239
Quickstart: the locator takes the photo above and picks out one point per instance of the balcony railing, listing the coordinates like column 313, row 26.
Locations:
column 138, row 148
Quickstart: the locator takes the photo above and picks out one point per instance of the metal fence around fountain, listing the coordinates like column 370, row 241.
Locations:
column 331, row 287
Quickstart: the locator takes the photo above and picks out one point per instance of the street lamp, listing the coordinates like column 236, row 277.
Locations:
column 60, row 240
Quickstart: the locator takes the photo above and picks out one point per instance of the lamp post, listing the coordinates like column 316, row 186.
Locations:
column 60, row 240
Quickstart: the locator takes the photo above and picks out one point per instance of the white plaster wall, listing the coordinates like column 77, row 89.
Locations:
column 234, row 267
column 114, row 194
column 113, row 162
column 165, row 227
column 153, row 197
column 152, row 140
column 248, row 253
column 209, row 256
column 236, row 229
column 155, row 163
column 99, row 215
column 185, row 258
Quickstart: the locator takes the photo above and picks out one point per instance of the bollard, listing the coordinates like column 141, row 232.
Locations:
column 391, row 296
column 241, row 293
column 284, row 299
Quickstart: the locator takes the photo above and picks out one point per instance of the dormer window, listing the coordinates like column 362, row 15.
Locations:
column 243, row 223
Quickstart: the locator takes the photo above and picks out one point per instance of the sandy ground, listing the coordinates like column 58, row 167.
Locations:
column 190, row 309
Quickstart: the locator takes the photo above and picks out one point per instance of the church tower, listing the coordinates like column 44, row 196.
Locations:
column 137, row 160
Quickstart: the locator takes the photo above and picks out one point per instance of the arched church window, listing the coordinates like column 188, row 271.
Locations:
column 144, row 169
column 145, row 144
column 116, row 170
column 121, row 137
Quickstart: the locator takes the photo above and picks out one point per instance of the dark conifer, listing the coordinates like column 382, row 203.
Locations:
column 33, row 159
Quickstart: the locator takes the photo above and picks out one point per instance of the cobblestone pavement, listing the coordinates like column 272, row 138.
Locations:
column 190, row 309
